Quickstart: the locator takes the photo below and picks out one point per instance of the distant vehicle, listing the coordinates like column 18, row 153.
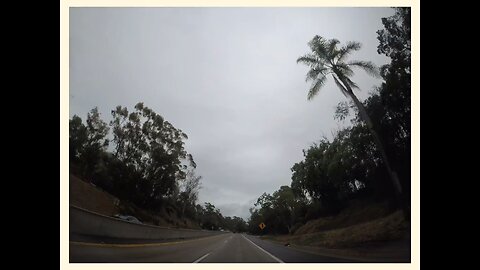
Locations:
column 131, row 219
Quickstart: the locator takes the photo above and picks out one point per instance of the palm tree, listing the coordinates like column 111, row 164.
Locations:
column 325, row 59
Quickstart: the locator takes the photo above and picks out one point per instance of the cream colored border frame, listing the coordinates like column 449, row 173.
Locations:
column 64, row 116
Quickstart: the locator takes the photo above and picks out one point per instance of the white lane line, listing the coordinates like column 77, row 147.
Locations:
column 268, row 253
column 201, row 258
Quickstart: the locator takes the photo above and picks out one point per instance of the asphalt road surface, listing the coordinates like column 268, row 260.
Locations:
column 223, row 248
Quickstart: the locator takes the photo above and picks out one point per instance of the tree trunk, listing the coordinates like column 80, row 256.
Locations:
column 393, row 175
column 366, row 118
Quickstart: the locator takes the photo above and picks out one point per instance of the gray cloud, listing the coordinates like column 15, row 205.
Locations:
column 225, row 76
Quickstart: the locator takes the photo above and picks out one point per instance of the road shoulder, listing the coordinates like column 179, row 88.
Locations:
column 395, row 251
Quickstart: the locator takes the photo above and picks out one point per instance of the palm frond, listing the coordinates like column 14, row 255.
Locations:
column 347, row 49
column 332, row 46
column 340, row 85
column 344, row 69
column 319, row 82
column 319, row 47
column 368, row 66
column 351, row 83
column 308, row 59
column 313, row 73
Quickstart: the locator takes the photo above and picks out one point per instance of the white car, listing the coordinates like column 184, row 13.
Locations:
column 131, row 219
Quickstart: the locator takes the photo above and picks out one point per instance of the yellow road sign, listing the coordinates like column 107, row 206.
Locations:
column 262, row 225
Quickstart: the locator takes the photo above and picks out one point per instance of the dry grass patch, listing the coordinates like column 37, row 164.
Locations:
column 391, row 227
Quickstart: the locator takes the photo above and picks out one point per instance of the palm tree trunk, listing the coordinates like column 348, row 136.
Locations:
column 368, row 121
column 393, row 175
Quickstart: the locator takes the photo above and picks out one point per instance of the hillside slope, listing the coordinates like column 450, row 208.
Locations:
column 87, row 196
column 360, row 224
column 92, row 198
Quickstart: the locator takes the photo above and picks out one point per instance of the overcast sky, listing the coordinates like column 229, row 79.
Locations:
column 227, row 77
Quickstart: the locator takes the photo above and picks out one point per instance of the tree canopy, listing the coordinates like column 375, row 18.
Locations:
column 349, row 166
column 148, row 165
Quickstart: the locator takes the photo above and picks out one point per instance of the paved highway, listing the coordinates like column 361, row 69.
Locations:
column 223, row 248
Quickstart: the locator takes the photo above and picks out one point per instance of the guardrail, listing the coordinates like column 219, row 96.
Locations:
column 89, row 223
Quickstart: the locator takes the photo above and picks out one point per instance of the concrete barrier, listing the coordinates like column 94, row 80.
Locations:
column 89, row 223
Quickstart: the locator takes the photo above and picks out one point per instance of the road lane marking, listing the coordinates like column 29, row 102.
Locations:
column 268, row 253
column 201, row 258
column 139, row 245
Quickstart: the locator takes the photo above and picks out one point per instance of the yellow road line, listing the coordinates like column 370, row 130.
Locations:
column 139, row 245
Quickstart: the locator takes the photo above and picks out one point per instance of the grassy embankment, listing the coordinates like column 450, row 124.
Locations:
column 359, row 225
